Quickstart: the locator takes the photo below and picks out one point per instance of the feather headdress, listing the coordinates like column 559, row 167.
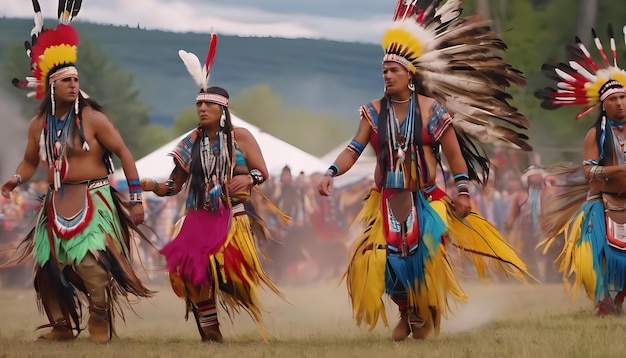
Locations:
column 202, row 73
column 52, row 52
column 582, row 81
column 458, row 61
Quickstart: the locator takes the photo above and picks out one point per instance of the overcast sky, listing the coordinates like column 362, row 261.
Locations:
column 343, row 20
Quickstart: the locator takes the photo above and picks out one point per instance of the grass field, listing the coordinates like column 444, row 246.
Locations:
column 500, row 320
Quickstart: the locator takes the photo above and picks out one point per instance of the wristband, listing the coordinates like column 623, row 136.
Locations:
column 134, row 186
column 461, row 176
column 257, row 176
column 170, row 184
column 19, row 179
column 332, row 171
column 135, row 198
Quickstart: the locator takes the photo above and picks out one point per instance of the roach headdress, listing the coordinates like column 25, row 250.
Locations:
column 582, row 81
column 457, row 61
column 52, row 52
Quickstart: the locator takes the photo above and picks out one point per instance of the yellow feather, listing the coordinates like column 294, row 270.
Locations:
column 55, row 56
column 480, row 240
column 365, row 277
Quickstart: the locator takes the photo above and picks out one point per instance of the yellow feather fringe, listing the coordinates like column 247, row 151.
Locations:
column 479, row 240
column 576, row 259
column 365, row 277
column 246, row 288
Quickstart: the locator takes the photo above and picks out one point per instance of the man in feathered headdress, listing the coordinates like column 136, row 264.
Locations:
column 590, row 201
column 80, row 243
column 444, row 83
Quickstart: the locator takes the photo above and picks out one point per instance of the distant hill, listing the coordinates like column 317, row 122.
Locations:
column 327, row 76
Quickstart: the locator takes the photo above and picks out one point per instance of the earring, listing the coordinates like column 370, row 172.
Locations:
column 411, row 86
column 223, row 118
column 52, row 98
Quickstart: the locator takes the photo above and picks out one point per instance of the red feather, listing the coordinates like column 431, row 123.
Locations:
column 210, row 56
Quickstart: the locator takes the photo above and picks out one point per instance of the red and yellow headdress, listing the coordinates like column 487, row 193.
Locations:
column 457, row 61
column 582, row 81
column 52, row 52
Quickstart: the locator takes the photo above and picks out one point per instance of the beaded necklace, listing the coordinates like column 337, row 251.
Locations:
column 214, row 167
column 57, row 132
column 401, row 137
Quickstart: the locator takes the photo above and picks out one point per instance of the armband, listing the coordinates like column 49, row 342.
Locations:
column 257, row 176
column 597, row 172
column 355, row 147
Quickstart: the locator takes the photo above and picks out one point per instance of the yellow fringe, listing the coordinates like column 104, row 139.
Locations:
column 575, row 259
column 365, row 277
column 479, row 240
column 270, row 204
column 246, row 287
column 439, row 285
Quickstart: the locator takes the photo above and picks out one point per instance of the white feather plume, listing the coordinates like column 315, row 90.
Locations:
column 192, row 63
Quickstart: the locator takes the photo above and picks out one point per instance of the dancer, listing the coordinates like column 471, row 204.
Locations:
column 214, row 251
column 402, row 251
column 81, row 241
column 588, row 200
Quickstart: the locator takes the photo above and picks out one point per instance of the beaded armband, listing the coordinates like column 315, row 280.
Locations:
column 170, row 184
column 355, row 147
column 257, row 176
column 134, row 190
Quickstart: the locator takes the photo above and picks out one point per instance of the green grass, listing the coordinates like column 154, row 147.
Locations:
column 500, row 320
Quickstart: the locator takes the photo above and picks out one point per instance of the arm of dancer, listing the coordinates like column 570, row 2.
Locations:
column 604, row 178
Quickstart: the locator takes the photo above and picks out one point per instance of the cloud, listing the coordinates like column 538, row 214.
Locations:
column 243, row 19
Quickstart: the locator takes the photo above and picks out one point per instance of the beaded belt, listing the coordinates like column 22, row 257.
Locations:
column 238, row 209
column 91, row 183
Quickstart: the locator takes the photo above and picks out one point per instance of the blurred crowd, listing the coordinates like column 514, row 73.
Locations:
column 313, row 245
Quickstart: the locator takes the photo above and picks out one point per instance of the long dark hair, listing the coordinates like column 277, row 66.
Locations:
column 605, row 148
column 197, row 186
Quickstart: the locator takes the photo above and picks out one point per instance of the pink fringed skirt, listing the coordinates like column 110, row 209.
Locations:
column 202, row 233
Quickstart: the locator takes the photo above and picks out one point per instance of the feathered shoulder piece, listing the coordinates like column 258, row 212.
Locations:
column 459, row 63
column 581, row 80
column 50, row 49
column 202, row 73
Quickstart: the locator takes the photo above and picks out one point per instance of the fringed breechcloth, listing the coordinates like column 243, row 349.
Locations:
column 88, row 253
column 421, row 273
column 214, row 252
column 594, row 252
column 477, row 239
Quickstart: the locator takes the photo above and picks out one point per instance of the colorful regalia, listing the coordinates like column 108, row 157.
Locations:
column 404, row 252
column 591, row 221
column 213, row 255
column 84, row 259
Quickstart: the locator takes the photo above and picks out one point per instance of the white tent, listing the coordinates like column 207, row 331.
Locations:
column 277, row 154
